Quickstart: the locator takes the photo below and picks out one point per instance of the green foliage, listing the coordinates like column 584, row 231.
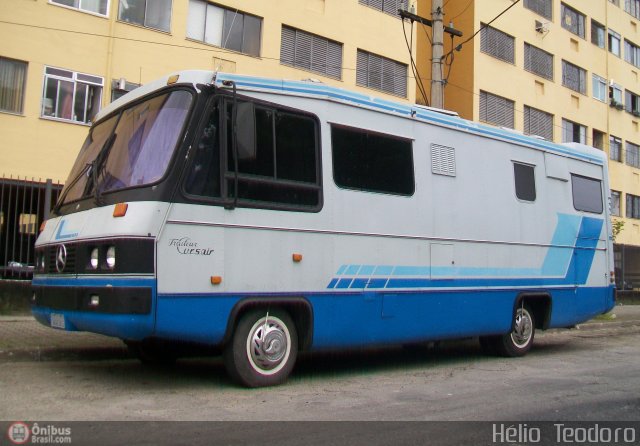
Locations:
column 618, row 225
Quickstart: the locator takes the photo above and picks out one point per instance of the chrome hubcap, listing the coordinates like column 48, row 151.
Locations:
column 521, row 334
column 268, row 345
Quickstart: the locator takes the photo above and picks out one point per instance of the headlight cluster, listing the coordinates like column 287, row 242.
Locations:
column 101, row 256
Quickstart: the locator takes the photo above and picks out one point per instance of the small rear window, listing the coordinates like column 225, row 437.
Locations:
column 587, row 194
column 525, row 179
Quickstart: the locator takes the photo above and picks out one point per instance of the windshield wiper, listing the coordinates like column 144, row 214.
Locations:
column 96, row 167
column 84, row 170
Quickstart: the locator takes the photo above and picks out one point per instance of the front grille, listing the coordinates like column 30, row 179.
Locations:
column 51, row 255
column 133, row 256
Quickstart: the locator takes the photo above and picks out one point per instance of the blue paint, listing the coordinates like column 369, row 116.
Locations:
column 64, row 235
column 567, row 262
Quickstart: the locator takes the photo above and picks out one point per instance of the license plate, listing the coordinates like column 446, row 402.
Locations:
column 57, row 321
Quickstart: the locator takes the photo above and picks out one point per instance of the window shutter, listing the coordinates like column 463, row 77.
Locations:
column 496, row 110
column 538, row 122
column 287, row 46
column 497, row 44
column 538, row 61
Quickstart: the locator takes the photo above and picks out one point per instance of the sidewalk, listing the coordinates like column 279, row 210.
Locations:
column 24, row 336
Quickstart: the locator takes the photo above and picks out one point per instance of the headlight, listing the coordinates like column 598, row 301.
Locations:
column 94, row 258
column 111, row 257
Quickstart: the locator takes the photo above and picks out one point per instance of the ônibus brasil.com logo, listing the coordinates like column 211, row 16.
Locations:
column 19, row 433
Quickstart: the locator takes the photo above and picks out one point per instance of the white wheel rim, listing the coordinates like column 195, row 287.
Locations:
column 523, row 329
column 268, row 345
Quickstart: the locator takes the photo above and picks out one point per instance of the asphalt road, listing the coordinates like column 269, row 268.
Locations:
column 589, row 375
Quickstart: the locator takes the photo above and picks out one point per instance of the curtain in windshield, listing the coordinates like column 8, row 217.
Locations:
column 146, row 137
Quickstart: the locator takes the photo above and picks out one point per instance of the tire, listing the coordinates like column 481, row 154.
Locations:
column 152, row 353
column 263, row 348
column 516, row 343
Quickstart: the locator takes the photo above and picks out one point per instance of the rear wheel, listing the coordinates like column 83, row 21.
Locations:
column 263, row 349
column 516, row 343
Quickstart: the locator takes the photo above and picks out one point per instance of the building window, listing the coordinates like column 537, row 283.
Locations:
column 383, row 74
column 597, row 34
column 615, row 96
column 632, row 7
column 496, row 110
column 13, row 75
column 497, row 44
column 574, row 77
column 598, row 139
column 388, row 6
column 573, row 132
column 542, row 7
column 615, row 203
column 632, row 206
column 226, row 28
column 632, row 53
column 538, row 122
column 310, row 52
column 614, row 43
column 632, row 103
column 71, row 96
column 149, row 13
column 538, row 61
column 632, row 157
column 368, row 161
column 615, row 148
column 599, row 87
column 587, row 194
column 572, row 20
column 94, row 6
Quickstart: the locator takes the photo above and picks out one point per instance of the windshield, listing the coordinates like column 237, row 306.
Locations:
column 130, row 149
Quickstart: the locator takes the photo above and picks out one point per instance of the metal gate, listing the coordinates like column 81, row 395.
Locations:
column 24, row 205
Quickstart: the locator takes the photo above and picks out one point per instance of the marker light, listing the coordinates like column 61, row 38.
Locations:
column 42, row 225
column 296, row 257
column 95, row 300
column 216, row 280
column 94, row 258
column 111, row 257
column 120, row 210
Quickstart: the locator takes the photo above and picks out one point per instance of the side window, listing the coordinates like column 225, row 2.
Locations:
column 587, row 194
column 525, row 181
column 278, row 158
column 204, row 175
column 372, row 162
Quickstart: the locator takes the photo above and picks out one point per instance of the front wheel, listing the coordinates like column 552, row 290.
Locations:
column 516, row 343
column 263, row 349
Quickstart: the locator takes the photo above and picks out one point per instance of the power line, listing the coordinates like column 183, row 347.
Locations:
column 150, row 42
column 459, row 47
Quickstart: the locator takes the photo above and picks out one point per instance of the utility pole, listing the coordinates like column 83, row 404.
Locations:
column 437, row 47
column 437, row 50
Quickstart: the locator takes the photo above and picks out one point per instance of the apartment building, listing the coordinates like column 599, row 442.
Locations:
column 62, row 60
column 564, row 70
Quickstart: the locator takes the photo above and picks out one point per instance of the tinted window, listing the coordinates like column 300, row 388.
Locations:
column 372, row 162
column 277, row 156
column 587, row 194
column 525, row 181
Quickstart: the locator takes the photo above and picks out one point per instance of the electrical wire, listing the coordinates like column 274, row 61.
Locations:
column 414, row 68
column 485, row 25
column 150, row 42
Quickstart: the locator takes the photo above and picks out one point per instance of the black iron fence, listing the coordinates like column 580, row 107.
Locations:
column 24, row 205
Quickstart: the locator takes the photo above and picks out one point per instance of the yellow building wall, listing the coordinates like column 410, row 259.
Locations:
column 45, row 34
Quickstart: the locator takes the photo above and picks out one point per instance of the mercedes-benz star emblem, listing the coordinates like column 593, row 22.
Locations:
column 61, row 258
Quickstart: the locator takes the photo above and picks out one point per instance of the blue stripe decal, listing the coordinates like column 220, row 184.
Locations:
column 325, row 91
column 568, row 261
